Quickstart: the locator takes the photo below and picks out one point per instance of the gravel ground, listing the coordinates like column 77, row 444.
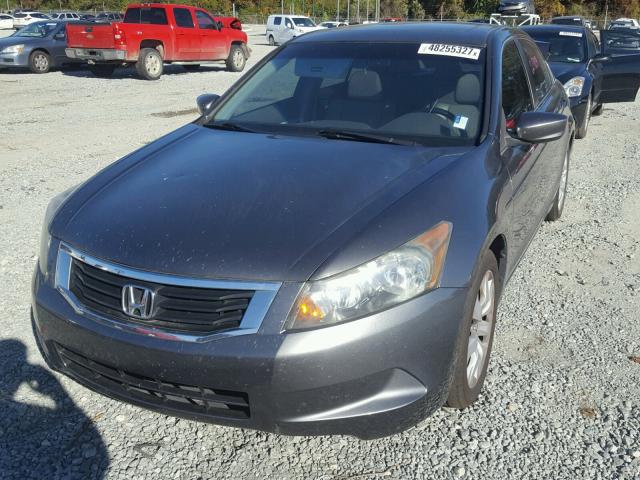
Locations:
column 562, row 397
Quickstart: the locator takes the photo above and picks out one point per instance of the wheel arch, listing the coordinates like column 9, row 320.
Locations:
column 156, row 44
column 498, row 247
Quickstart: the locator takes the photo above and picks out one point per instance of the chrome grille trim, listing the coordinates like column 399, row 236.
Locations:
column 264, row 294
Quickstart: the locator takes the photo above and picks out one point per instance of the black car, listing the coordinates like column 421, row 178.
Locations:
column 516, row 7
column 592, row 74
column 570, row 20
column 323, row 251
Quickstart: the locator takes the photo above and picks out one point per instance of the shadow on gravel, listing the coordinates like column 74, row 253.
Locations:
column 44, row 434
column 130, row 72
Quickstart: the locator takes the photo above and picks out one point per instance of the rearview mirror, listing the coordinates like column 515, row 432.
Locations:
column 601, row 58
column 206, row 102
column 540, row 127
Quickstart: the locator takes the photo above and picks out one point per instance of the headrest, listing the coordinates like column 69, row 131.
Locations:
column 364, row 84
column 468, row 90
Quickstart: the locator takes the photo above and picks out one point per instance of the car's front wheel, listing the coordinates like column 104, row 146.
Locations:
column 474, row 345
column 598, row 110
column 236, row 60
column 39, row 62
column 583, row 123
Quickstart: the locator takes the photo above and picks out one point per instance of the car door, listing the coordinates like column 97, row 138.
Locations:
column 58, row 45
column 621, row 73
column 522, row 159
column 187, row 36
column 286, row 30
column 212, row 43
column 594, row 68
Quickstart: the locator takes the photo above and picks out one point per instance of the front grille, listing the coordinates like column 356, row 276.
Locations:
column 175, row 308
column 155, row 392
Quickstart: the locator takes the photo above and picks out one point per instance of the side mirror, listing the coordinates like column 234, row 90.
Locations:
column 601, row 58
column 206, row 102
column 540, row 127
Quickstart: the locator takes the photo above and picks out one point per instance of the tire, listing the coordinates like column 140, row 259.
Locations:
column 191, row 68
column 561, row 195
column 272, row 41
column 39, row 61
column 150, row 65
column 583, row 124
column 471, row 366
column 102, row 70
column 598, row 110
column 236, row 59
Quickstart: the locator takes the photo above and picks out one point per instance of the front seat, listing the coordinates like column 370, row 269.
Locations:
column 465, row 103
column 364, row 102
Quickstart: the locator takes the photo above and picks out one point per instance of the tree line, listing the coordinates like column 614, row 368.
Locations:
column 357, row 9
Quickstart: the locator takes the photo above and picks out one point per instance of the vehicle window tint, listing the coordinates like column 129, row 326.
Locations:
column 288, row 23
column 541, row 79
column 131, row 16
column 205, row 21
column 153, row 16
column 516, row 97
column 277, row 20
column 183, row 17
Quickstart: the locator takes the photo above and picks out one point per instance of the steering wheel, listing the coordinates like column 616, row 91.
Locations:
column 444, row 113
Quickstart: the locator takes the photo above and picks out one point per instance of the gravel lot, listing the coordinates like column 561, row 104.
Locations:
column 562, row 397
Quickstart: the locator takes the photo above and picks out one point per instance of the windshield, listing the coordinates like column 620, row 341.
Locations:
column 303, row 22
column 564, row 47
column 37, row 30
column 386, row 89
column 566, row 21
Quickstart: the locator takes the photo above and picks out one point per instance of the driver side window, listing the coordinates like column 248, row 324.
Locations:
column 205, row 21
column 288, row 23
column 516, row 96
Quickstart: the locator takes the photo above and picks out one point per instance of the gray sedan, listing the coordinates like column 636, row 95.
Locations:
column 38, row 47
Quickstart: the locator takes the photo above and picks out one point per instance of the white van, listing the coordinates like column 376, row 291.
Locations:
column 282, row 28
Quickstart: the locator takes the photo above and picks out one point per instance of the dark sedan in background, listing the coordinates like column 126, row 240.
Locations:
column 323, row 251
column 592, row 74
column 38, row 47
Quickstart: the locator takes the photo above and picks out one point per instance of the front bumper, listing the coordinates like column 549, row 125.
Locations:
column 96, row 54
column 9, row 60
column 369, row 378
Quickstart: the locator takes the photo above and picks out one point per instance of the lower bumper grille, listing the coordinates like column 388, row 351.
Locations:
column 155, row 392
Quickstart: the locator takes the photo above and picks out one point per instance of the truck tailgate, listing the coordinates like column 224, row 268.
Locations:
column 90, row 35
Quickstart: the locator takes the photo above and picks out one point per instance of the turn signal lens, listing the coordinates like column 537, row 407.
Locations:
column 392, row 278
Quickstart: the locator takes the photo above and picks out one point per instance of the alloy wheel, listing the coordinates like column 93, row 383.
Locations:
column 238, row 58
column 152, row 64
column 481, row 329
column 40, row 62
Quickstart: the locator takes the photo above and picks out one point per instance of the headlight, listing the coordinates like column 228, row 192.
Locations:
column 45, row 238
column 388, row 280
column 574, row 87
column 13, row 49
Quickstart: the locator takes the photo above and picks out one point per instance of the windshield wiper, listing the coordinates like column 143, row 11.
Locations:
column 234, row 127
column 362, row 137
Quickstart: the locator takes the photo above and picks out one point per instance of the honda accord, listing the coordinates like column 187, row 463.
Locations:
column 324, row 249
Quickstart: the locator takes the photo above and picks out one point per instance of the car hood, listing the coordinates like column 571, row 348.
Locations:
column 9, row 41
column 220, row 204
column 566, row 71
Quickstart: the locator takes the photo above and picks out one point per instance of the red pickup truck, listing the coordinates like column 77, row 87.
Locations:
column 154, row 34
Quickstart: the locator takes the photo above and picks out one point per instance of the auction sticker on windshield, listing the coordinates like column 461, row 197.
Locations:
column 449, row 50
column 571, row 34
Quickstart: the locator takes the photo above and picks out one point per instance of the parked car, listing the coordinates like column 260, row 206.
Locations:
column 108, row 17
column 333, row 24
column 6, row 21
column 621, row 42
column 22, row 19
column 516, row 7
column 591, row 76
column 323, row 251
column 39, row 46
column 154, row 34
column 87, row 17
column 569, row 20
column 65, row 16
column 282, row 28
column 624, row 23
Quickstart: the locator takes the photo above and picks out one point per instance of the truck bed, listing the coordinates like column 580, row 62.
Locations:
column 90, row 35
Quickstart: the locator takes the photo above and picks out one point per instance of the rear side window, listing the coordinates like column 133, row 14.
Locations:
column 516, row 97
column 153, row 16
column 131, row 16
column 277, row 20
column 183, row 17
column 541, row 78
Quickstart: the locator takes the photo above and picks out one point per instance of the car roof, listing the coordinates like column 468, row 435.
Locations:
column 554, row 28
column 472, row 34
column 568, row 17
